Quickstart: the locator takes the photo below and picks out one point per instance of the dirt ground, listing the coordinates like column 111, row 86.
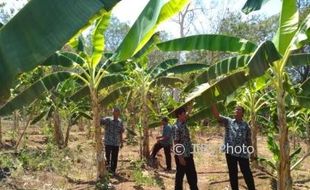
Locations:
column 210, row 166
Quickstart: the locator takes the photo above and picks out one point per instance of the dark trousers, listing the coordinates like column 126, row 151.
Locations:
column 159, row 146
column 111, row 153
column 244, row 164
column 190, row 171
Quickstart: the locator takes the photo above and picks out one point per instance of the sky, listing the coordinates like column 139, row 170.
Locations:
column 129, row 10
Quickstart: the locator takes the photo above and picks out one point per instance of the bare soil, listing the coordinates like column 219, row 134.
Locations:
column 210, row 165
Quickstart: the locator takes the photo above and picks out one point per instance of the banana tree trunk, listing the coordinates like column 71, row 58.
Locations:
column 146, row 143
column 254, row 129
column 89, row 133
column 146, row 146
column 15, row 127
column 16, row 123
column 67, row 133
column 140, row 141
column 58, row 135
column 24, row 131
column 308, row 138
column 0, row 133
column 284, row 174
column 101, row 170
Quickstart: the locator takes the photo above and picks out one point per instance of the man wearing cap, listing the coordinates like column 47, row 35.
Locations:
column 112, row 138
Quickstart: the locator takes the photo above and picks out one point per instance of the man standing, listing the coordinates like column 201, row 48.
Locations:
column 164, row 141
column 183, row 152
column 113, row 138
column 237, row 146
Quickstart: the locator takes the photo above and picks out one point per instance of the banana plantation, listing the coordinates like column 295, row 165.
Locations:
column 67, row 65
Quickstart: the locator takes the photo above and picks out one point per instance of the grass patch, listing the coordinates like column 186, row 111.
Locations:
column 144, row 177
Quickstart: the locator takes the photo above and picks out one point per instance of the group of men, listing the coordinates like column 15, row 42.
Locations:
column 237, row 135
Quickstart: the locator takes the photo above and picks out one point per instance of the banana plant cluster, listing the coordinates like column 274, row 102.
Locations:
column 269, row 57
column 31, row 48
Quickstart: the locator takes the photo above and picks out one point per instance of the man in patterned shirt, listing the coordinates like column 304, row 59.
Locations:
column 237, row 146
column 112, row 138
column 183, row 152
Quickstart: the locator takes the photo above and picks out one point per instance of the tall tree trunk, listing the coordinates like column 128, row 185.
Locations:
column 254, row 129
column 146, row 138
column 141, row 141
column 89, row 133
column 308, row 133
column 101, row 170
column 68, row 133
column 15, row 127
column 146, row 146
column 16, row 121
column 285, row 180
column 58, row 135
column 0, row 132
column 24, row 131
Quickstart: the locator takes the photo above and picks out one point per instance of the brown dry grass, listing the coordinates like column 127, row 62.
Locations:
column 210, row 165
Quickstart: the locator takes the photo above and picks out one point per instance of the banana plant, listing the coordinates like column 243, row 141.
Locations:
column 58, row 103
column 38, row 30
column 253, row 98
column 272, row 164
column 139, row 34
column 90, row 71
column 272, row 57
column 144, row 81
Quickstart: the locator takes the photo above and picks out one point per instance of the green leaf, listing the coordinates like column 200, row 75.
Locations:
column 210, row 42
column 301, row 37
column 299, row 59
column 77, row 41
column 306, row 87
column 116, row 67
column 295, row 153
column 273, row 147
column 222, row 67
column 168, row 10
column 38, row 117
column 262, row 58
column 163, row 66
column 288, row 25
column 105, row 82
column 166, row 81
column 98, row 37
column 267, row 162
column 303, row 97
column 65, row 59
column 204, row 113
column 114, row 95
column 85, row 115
column 253, row 5
column 181, row 69
column 109, row 4
column 144, row 23
column 206, row 94
column 76, row 115
column 41, row 28
column 33, row 92
column 155, row 124
column 149, row 46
